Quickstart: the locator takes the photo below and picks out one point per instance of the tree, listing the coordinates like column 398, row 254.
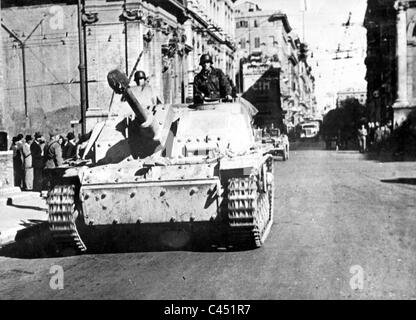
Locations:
column 344, row 121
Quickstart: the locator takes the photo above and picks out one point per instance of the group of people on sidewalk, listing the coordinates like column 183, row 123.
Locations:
column 374, row 136
column 32, row 155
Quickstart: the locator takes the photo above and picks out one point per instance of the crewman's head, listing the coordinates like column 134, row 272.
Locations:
column 140, row 77
column 205, row 61
column 28, row 138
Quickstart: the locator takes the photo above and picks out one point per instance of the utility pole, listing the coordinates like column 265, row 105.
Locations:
column 82, row 67
column 126, row 39
column 22, row 44
column 303, row 26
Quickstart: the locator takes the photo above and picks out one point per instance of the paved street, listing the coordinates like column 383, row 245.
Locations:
column 334, row 211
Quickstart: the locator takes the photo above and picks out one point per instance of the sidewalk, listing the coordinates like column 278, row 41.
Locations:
column 20, row 211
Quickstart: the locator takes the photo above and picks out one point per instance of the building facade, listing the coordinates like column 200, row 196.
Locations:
column 391, row 54
column 41, row 54
column 266, row 38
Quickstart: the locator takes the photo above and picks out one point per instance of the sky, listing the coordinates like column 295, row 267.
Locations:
column 324, row 33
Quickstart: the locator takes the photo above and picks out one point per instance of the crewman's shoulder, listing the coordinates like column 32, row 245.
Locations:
column 217, row 71
column 198, row 75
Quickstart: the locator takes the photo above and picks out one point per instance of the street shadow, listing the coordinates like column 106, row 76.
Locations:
column 307, row 144
column 36, row 240
column 18, row 206
column 411, row 181
column 387, row 156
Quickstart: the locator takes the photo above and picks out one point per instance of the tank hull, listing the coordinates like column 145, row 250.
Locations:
column 151, row 202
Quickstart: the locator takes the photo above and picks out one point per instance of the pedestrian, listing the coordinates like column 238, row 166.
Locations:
column 53, row 152
column 386, row 132
column 370, row 137
column 82, row 144
column 385, row 136
column 210, row 84
column 37, row 161
column 62, row 141
column 69, row 151
column 18, row 161
column 362, row 138
column 52, row 156
column 378, row 138
column 27, row 164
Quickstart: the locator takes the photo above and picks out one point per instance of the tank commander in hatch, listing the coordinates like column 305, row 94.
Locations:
column 210, row 83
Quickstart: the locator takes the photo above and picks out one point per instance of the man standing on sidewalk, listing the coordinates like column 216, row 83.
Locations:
column 18, row 161
column 53, row 156
column 69, row 151
column 362, row 138
column 37, row 161
column 27, row 164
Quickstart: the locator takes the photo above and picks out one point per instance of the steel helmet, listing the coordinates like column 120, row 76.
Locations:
column 139, row 75
column 205, row 58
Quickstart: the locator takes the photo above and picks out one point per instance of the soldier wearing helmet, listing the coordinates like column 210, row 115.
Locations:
column 210, row 83
column 144, row 92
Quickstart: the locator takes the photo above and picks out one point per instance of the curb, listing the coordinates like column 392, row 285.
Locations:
column 27, row 194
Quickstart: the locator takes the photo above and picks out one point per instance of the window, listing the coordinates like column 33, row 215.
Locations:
column 256, row 24
column 242, row 24
column 243, row 43
column 256, row 42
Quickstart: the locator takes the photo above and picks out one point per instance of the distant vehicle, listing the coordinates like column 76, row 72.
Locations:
column 309, row 130
column 280, row 143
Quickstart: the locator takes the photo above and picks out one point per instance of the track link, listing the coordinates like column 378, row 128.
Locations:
column 250, row 209
column 62, row 216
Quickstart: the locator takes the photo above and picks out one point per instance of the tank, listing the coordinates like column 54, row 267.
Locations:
column 167, row 164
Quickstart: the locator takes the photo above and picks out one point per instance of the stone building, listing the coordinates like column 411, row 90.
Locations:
column 391, row 51
column 41, row 54
column 265, row 37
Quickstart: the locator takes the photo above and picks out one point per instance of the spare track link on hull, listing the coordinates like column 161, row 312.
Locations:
column 250, row 211
column 62, row 217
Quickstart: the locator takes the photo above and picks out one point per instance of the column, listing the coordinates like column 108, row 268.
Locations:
column 2, row 110
column 401, row 104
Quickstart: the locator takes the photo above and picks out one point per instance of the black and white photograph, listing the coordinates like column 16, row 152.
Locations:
column 220, row 151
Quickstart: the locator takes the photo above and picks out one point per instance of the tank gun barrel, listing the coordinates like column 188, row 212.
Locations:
column 119, row 82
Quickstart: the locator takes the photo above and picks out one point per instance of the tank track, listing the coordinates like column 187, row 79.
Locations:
column 250, row 211
column 62, row 216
